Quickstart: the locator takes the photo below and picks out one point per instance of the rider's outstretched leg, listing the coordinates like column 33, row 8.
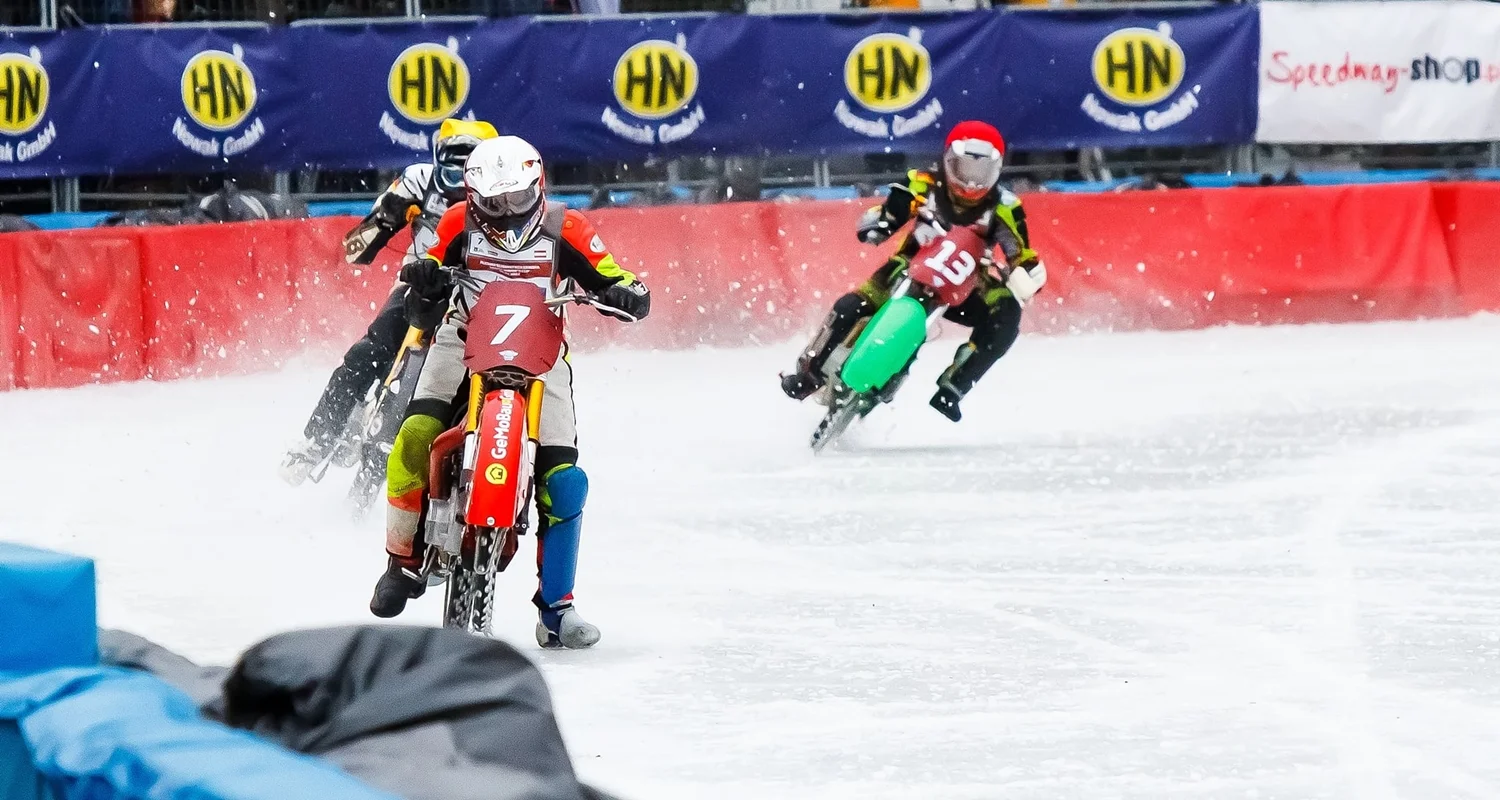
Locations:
column 808, row 377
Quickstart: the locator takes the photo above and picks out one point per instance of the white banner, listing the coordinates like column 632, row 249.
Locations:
column 1367, row 72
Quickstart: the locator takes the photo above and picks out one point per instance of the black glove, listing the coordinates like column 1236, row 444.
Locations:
column 632, row 300
column 875, row 226
column 426, row 279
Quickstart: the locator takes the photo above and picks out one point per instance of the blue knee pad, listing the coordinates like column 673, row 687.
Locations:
column 566, row 491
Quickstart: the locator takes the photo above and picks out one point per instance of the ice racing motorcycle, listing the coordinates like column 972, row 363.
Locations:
column 370, row 431
column 480, row 481
column 869, row 366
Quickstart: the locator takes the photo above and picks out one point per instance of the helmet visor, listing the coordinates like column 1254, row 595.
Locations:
column 507, row 204
column 972, row 167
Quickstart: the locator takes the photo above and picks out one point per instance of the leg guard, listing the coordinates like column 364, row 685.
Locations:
column 406, row 480
column 847, row 310
column 560, row 499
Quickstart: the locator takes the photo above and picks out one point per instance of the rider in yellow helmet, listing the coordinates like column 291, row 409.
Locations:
column 417, row 199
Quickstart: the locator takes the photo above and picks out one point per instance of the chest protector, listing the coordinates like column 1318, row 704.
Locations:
column 535, row 263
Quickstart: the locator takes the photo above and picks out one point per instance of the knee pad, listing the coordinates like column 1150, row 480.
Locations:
column 406, row 468
column 564, row 491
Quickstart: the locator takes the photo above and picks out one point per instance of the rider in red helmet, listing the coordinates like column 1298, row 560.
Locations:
column 964, row 190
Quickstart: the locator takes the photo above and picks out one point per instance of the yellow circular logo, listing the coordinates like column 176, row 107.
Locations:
column 496, row 473
column 656, row 79
column 429, row 82
column 1139, row 66
column 218, row 90
column 24, row 91
column 888, row 72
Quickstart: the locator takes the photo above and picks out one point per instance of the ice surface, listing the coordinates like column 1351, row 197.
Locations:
column 1230, row 563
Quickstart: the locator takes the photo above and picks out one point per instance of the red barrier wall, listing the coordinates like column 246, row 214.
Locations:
column 120, row 304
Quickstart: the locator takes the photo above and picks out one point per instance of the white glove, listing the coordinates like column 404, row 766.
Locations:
column 1025, row 283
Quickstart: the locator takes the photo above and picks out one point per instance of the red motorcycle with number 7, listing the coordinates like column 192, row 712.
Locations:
column 868, row 367
column 480, row 481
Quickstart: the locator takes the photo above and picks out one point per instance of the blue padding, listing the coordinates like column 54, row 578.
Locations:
column 46, row 610
column 65, row 220
column 112, row 733
column 339, row 208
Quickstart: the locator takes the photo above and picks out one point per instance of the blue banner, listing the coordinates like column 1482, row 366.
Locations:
column 49, row 105
column 377, row 92
column 1130, row 79
column 199, row 100
column 366, row 95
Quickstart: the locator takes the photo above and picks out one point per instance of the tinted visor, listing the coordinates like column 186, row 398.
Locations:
column 972, row 167
column 507, row 204
column 448, row 171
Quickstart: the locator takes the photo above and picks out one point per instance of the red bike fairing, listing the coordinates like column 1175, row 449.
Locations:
column 949, row 264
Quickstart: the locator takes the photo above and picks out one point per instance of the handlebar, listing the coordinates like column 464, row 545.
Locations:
column 463, row 278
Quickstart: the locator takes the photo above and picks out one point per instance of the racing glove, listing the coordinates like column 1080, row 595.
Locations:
column 426, row 279
column 875, row 226
column 1024, row 282
column 632, row 301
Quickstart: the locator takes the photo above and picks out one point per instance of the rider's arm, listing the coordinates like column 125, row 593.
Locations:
column 452, row 237
column 901, row 202
column 402, row 200
column 1013, row 242
column 583, row 257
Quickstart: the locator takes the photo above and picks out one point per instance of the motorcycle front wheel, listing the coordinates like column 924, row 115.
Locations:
column 842, row 411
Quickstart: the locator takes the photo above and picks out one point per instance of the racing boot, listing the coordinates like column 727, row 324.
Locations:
column 945, row 400
column 801, row 385
column 302, row 458
column 956, row 381
column 808, row 377
column 401, row 581
column 560, row 626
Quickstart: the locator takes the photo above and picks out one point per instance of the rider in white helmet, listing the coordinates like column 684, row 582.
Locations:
column 506, row 229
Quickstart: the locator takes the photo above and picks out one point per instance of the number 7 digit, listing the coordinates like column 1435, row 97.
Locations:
column 517, row 315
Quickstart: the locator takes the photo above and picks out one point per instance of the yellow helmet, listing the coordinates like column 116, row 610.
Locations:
column 455, row 140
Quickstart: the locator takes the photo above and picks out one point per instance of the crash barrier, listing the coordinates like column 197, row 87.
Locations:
column 70, row 728
column 113, row 304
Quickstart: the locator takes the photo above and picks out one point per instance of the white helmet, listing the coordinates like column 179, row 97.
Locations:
column 505, row 191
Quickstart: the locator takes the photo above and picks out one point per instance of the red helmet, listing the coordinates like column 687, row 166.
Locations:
column 972, row 157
